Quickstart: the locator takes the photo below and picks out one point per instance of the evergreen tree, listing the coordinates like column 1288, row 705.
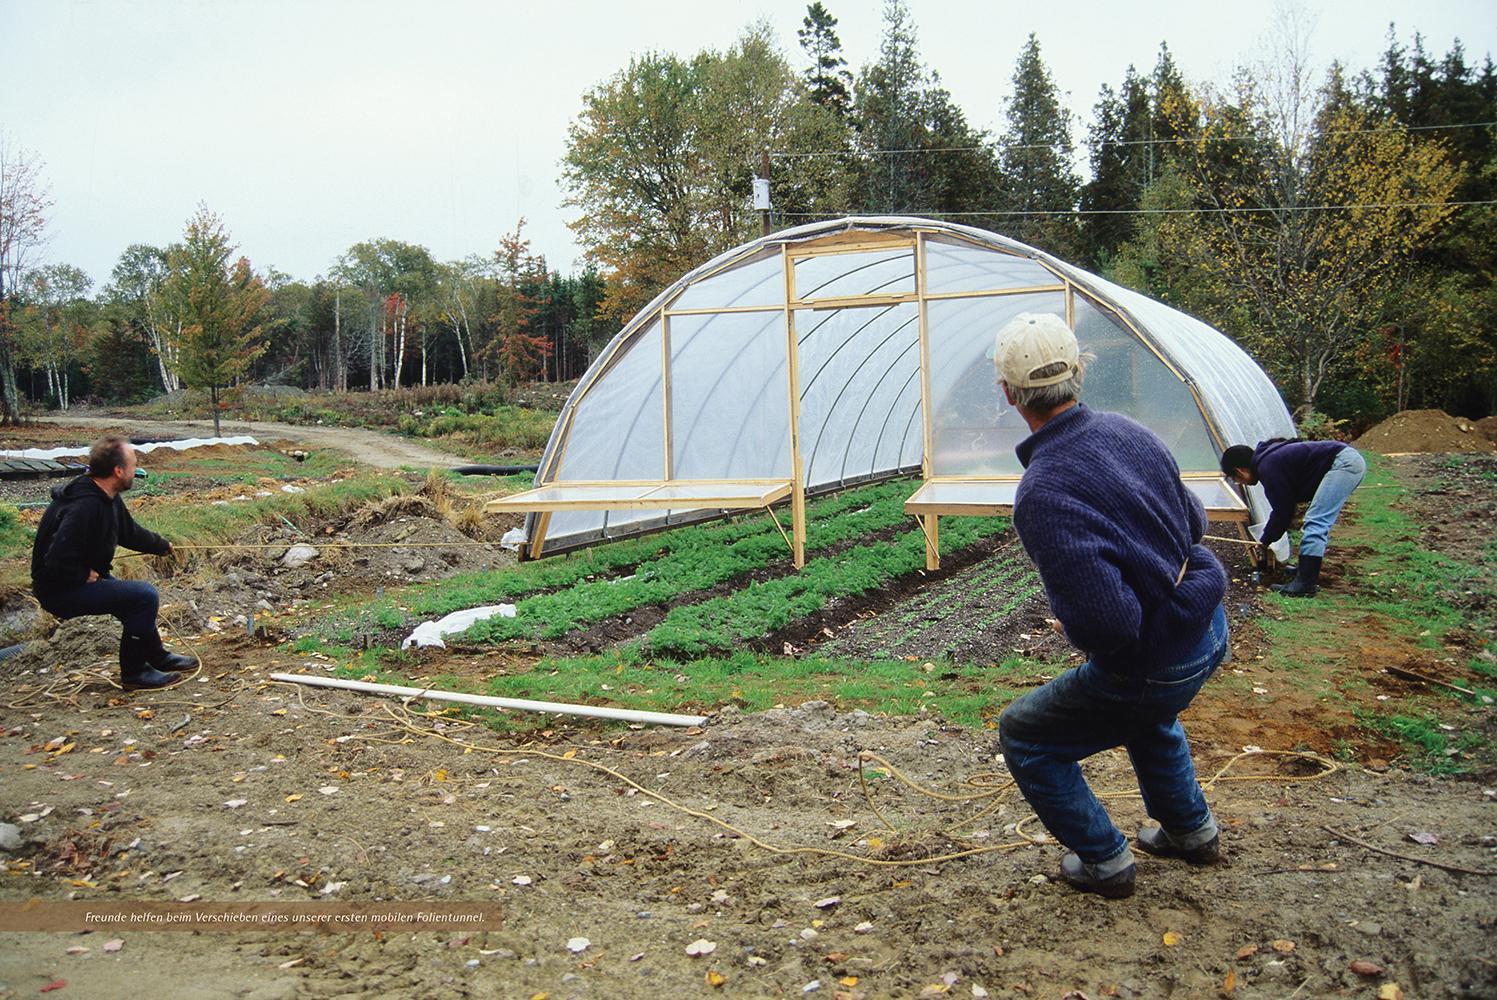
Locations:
column 1036, row 157
column 888, row 119
column 827, row 77
column 1122, row 167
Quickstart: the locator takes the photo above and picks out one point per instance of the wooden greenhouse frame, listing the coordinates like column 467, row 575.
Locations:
column 937, row 495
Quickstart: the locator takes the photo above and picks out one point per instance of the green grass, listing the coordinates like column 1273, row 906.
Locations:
column 248, row 469
column 207, row 522
column 1428, row 747
column 1398, row 578
column 15, row 548
column 969, row 694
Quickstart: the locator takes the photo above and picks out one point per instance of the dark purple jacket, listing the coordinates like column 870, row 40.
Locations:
column 1102, row 512
column 1290, row 472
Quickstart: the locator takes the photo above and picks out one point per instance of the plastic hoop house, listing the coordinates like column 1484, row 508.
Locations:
column 841, row 352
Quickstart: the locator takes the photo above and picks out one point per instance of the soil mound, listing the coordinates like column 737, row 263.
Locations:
column 1425, row 431
column 1488, row 427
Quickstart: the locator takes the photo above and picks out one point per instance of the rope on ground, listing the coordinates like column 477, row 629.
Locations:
column 981, row 780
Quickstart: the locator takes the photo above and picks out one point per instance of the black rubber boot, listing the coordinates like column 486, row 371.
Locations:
column 1154, row 840
column 162, row 659
column 136, row 670
column 1306, row 581
column 1084, row 877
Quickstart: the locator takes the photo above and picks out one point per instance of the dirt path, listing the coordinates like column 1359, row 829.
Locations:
column 384, row 451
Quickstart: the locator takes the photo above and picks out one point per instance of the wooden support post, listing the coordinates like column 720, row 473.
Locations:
column 932, row 541
column 792, row 367
column 932, row 533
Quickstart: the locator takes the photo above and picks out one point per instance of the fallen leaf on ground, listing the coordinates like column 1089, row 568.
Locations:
column 577, row 945
column 827, row 903
column 1424, row 837
column 294, row 797
column 1362, row 967
column 848, row 980
column 700, row 947
column 715, row 978
column 55, row 984
column 1283, row 945
column 1389, row 991
column 114, row 944
column 1247, row 951
column 1230, row 983
column 1171, row 938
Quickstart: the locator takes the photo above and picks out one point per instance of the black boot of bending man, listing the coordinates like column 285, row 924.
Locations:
column 1306, row 581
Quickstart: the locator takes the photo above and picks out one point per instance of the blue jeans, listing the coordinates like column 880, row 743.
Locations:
column 1085, row 711
column 1345, row 475
column 133, row 602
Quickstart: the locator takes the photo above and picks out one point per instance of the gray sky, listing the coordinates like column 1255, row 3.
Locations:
column 312, row 124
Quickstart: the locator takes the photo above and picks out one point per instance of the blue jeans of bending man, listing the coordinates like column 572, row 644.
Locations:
column 1345, row 475
column 133, row 602
column 1087, row 710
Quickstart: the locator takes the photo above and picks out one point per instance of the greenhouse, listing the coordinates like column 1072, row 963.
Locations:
column 841, row 352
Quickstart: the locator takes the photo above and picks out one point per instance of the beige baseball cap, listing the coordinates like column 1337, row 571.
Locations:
column 1031, row 342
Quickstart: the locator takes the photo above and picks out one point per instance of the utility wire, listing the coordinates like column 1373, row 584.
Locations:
column 1111, row 142
column 1150, row 211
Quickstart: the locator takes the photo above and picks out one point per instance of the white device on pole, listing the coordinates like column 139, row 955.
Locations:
column 761, row 194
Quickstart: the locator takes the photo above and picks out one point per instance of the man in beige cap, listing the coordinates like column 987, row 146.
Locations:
column 1116, row 537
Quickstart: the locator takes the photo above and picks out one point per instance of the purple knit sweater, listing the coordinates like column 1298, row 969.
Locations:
column 1290, row 472
column 1104, row 516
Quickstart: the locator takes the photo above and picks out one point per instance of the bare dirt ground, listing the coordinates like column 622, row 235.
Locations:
column 234, row 788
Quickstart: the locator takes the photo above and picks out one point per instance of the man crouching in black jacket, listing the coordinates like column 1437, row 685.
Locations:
column 74, row 550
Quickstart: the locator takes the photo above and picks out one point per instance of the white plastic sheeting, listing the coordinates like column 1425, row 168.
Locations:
column 712, row 352
column 431, row 633
column 75, row 451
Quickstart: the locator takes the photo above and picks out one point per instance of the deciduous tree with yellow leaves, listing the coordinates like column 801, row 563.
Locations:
column 1300, row 229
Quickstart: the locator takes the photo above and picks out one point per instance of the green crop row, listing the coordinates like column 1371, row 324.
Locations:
column 600, row 562
column 700, row 563
column 717, row 625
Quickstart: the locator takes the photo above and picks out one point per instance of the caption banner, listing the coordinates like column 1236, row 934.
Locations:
column 83, row 915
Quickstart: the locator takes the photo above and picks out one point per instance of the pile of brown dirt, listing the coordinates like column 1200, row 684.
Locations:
column 1488, row 427
column 1425, row 431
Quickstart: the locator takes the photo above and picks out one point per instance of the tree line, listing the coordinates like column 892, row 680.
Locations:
column 1337, row 223
column 195, row 314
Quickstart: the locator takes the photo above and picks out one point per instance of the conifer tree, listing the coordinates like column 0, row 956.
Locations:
column 1036, row 156
column 829, row 82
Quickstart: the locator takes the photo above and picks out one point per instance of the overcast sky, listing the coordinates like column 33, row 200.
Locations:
column 312, row 124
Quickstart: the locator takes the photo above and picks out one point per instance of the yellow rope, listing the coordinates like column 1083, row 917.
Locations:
column 1327, row 767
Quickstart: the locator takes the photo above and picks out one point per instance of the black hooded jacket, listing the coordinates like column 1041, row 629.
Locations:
column 79, row 532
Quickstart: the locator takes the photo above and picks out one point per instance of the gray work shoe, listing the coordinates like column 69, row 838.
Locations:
column 1089, row 878
column 1156, row 841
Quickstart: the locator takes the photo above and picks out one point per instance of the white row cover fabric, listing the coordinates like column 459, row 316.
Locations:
column 696, row 386
column 71, row 451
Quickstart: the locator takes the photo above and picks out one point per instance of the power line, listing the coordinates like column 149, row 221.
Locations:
column 1155, row 211
column 1110, row 142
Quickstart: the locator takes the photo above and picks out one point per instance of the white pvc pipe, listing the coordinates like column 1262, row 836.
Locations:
column 556, row 707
